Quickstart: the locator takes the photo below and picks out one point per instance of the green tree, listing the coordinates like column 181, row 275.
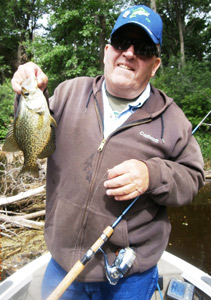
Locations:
column 8, row 42
column 77, row 34
column 78, row 31
column 190, row 87
column 186, row 28
column 6, row 107
column 18, row 21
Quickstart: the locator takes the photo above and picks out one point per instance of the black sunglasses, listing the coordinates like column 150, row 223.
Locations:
column 141, row 47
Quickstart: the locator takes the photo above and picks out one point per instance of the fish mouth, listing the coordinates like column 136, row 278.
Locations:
column 125, row 67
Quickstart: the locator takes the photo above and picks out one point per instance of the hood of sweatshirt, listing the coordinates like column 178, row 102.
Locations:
column 153, row 108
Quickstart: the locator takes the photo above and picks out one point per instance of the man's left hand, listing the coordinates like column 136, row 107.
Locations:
column 127, row 180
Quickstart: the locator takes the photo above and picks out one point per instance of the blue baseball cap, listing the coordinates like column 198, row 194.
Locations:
column 144, row 17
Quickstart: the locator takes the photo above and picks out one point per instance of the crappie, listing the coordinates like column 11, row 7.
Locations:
column 33, row 128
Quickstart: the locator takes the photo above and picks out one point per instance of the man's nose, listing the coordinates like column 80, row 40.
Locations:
column 129, row 52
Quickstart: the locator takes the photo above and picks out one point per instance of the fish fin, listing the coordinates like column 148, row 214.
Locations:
column 53, row 122
column 31, row 170
column 50, row 147
column 10, row 144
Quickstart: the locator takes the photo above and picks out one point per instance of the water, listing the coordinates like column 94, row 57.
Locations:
column 191, row 231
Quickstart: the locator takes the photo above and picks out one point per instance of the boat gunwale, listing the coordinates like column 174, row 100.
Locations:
column 14, row 283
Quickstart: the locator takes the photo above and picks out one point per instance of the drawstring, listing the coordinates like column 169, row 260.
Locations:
column 162, row 129
column 87, row 104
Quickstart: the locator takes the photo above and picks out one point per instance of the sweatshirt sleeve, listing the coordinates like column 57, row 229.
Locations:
column 175, row 182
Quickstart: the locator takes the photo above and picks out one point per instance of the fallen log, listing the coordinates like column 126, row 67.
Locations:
column 21, row 222
column 207, row 174
column 32, row 215
column 21, row 196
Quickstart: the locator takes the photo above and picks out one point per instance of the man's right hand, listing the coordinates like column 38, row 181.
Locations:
column 28, row 70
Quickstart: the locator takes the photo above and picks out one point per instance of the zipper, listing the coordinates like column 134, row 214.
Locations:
column 100, row 148
column 102, row 144
column 132, row 124
column 80, row 239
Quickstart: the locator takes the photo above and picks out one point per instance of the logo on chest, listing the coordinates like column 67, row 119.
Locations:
column 149, row 137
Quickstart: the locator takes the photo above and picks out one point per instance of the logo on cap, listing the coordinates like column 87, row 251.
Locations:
column 138, row 11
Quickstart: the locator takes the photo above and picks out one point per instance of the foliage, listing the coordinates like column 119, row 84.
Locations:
column 78, row 32
column 18, row 21
column 195, row 21
column 74, row 39
column 203, row 137
column 190, row 87
column 8, row 41
column 6, row 107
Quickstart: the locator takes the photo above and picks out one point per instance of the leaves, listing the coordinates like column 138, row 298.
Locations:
column 191, row 89
column 6, row 107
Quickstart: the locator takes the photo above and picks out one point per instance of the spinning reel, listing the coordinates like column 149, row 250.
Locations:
column 122, row 263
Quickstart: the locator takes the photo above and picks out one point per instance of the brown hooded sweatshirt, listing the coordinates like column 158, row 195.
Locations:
column 77, row 207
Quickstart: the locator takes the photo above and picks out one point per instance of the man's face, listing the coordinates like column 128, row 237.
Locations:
column 127, row 73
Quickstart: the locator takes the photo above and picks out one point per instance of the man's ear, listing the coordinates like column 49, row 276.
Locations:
column 105, row 50
column 156, row 66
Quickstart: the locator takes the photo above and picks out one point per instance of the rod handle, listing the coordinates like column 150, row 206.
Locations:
column 79, row 266
column 68, row 279
column 101, row 240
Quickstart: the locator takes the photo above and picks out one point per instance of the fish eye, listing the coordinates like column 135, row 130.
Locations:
column 26, row 94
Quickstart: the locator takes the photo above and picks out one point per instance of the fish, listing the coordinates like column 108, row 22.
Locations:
column 33, row 129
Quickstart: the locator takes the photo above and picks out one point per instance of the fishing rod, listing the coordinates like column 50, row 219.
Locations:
column 80, row 264
column 194, row 130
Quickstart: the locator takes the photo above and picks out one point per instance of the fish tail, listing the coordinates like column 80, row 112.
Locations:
column 33, row 170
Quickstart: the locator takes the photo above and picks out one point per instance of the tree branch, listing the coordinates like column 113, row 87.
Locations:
column 23, row 195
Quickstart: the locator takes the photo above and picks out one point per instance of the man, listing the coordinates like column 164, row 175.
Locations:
column 118, row 137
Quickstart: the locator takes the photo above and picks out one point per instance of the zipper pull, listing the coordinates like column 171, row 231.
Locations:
column 101, row 145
